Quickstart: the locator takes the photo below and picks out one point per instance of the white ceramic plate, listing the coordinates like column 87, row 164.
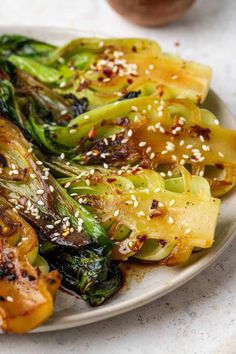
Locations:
column 145, row 283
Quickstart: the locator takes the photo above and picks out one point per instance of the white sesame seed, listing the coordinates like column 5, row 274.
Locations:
column 63, row 112
column 185, row 156
column 148, row 149
column 38, row 162
column 151, row 128
column 136, row 204
column 201, row 137
column 216, row 121
column 9, row 298
column 162, row 174
column 51, row 188
column 142, row 144
column 160, row 114
column 189, row 146
column 50, row 227
column 40, row 191
column 147, row 72
column 57, row 222
column 221, row 154
column 134, row 108
column 124, row 141
column 130, row 132
column 205, row 147
column 149, row 107
column 187, row 231
column 169, row 173
column 182, row 162
column 87, row 181
column 201, row 173
column 157, row 190
column 164, row 152
column 141, row 213
column 30, row 150
column 152, row 155
column 174, row 157
column 40, row 202
column 86, row 117
column 133, row 197
column 172, row 202
column 117, row 212
column 62, row 84
column 62, row 156
column 162, row 130
column 174, row 77
column 170, row 220
column 77, row 214
column 181, row 143
column 67, row 185
column 151, row 67
column 105, row 165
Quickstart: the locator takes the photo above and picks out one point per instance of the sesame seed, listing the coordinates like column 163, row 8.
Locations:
column 133, row 197
column 51, row 188
column 105, row 165
column 160, row 114
column 172, row 202
column 182, row 162
column 181, row 143
column 72, row 230
column 67, row 185
column 40, row 202
column 62, row 156
column 162, row 174
column 50, row 227
column 142, row 144
column 105, row 141
column 205, row 147
column 72, row 131
column 40, row 191
column 57, row 222
column 169, row 173
column 9, row 298
column 201, row 138
column 147, row 72
column 151, row 128
column 160, row 204
column 152, row 155
column 174, row 77
column 151, row 67
column 221, row 154
column 134, row 108
column 170, row 220
column 189, row 146
column 136, row 204
column 30, row 150
column 187, row 231
column 141, row 213
column 149, row 107
column 201, row 173
column 130, row 132
column 117, row 212
column 162, row 130
column 185, row 156
column 62, row 84
column 148, row 149
column 124, row 141
column 86, row 117
column 164, row 152
column 216, row 121
column 38, row 162
column 63, row 112
column 87, row 181
column 174, row 157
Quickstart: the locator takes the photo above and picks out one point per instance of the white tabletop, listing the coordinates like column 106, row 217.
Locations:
column 200, row 317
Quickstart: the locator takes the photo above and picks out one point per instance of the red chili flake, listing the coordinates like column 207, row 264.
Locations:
column 92, row 133
column 197, row 131
column 123, row 121
column 130, row 81
column 107, row 71
column 155, row 214
column 154, row 204
column 111, row 180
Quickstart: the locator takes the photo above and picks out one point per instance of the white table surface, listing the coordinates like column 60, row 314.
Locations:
column 200, row 317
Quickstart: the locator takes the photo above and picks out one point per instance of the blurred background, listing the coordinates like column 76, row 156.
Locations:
column 200, row 316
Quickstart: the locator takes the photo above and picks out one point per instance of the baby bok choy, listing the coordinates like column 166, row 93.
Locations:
column 149, row 218
column 28, row 186
column 26, row 290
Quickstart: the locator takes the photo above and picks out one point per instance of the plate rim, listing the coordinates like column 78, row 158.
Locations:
column 186, row 275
